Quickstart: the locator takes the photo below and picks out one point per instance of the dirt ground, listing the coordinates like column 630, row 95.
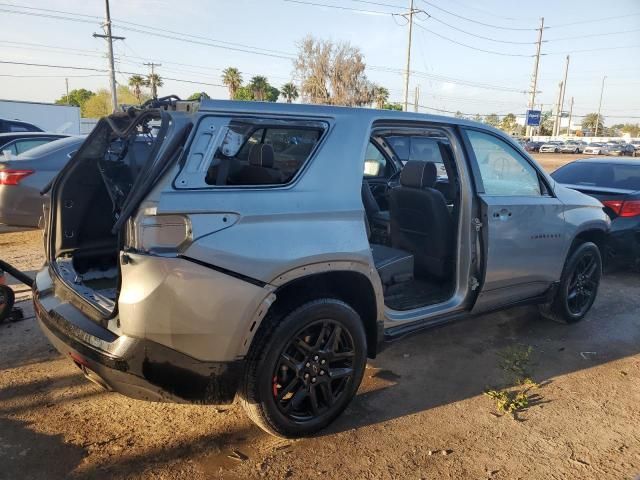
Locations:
column 424, row 395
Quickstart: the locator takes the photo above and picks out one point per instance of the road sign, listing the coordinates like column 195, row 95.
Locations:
column 533, row 118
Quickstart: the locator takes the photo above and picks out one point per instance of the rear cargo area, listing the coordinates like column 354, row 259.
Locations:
column 88, row 200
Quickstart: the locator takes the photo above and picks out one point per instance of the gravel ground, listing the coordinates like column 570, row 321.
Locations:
column 420, row 413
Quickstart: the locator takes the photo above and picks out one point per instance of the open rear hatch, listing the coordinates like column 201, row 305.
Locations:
column 98, row 190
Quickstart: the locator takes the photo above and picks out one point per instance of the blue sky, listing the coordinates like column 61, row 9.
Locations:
column 273, row 27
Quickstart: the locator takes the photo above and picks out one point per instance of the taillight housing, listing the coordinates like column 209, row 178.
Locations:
column 13, row 177
column 152, row 232
column 624, row 208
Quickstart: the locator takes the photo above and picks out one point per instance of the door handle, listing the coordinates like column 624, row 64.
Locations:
column 503, row 214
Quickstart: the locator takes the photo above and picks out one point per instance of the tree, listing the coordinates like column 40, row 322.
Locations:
column 198, row 96
column 381, row 96
column 232, row 78
column 332, row 73
column 259, row 87
column 477, row 117
column 589, row 123
column 289, row 92
column 459, row 114
column 154, row 81
column 393, row 106
column 546, row 123
column 509, row 123
column 136, row 82
column 99, row 105
column 492, row 119
column 77, row 97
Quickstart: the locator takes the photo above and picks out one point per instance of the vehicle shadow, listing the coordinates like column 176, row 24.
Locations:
column 458, row 361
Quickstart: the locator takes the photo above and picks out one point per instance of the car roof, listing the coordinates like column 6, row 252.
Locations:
column 242, row 107
column 11, row 135
column 609, row 161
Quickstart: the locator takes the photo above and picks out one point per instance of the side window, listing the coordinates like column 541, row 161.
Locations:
column 17, row 127
column 375, row 163
column 503, row 170
column 11, row 148
column 24, row 145
column 254, row 153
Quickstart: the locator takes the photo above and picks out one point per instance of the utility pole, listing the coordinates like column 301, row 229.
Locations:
column 66, row 82
column 536, row 64
column 570, row 117
column 416, row 98
column 564, row 89
column 152, row 78
column 112, row 70
column 407, row 71
column 556, row 120
column 599, row 107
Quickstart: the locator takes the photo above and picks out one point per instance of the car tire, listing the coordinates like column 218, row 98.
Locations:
column 304, row 368
column 7, row 299
column 578, row 286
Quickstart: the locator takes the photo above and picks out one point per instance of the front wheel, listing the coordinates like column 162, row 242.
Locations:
column 578, row 285
column 304, row 369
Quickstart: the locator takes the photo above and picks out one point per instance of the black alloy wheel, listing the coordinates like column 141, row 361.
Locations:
column 313, row 370
column 583, row 285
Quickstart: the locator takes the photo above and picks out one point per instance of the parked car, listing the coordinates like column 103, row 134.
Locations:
column 596, row 148
column 16, row 143
column 572, row 146
column 16, row 126
column 616, row 183
column 550, row 147
column 533, row 146
column 232, row 254
column 622, row 150
column 23, row 177
column 636, row 144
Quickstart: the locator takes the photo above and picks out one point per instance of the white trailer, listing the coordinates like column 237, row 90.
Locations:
column 48, row 116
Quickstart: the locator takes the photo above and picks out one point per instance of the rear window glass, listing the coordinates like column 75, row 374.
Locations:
column 625, row 177
column 422, row 149
column 261, row 153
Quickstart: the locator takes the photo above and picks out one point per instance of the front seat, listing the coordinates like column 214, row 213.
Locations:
column 420, row 220
column 260, row 169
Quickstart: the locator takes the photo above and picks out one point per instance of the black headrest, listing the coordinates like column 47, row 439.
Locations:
column 261, row 155
column 416, row 174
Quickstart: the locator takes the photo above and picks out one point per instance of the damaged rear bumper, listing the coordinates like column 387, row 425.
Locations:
column 137, row 368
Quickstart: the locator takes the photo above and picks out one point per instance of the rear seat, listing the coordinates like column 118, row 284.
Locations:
column 393, row 265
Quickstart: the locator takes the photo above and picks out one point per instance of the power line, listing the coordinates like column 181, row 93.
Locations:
column 339, row 7
column 494, row 52
column 45, row 15
column 475, row 34
column 581, row 22
column 593, row 35
column 490, row 25
column 593, row 49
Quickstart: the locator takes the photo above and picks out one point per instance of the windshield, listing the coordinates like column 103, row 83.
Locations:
column 51, row 147
column 624, row 177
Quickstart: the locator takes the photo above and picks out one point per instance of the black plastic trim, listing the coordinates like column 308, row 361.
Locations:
column 240, row 276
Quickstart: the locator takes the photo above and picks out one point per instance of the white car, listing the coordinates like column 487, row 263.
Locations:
column 551, row 147
column 596, row 149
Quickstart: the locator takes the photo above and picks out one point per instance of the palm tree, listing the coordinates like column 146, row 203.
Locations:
column 289, row 92
column 154, row 81
column 136, row 82
column 232, row 78
column 381, row 96
column 259, row 86
column 590, row 120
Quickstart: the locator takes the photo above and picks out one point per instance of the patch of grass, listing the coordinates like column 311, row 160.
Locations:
column 515, row 363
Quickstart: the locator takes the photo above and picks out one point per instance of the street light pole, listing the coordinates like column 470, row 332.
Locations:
column 599, row 107
column 112, row 70
column 532, row 99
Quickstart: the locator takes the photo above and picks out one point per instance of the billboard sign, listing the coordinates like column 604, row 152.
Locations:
column 534, row 117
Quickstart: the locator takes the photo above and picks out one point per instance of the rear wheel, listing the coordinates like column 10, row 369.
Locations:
column 578, row 285
column 304, row 369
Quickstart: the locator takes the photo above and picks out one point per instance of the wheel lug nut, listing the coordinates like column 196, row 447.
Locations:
column 323, row 361
column 321, row 372
column 307, row 364
column 315, row 358
column 306, row 375
column 313, row 380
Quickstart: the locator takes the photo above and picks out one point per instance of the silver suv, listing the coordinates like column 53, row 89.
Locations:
column 199, row 251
